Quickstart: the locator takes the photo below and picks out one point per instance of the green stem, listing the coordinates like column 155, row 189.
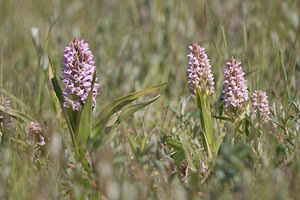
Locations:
column 209, row 140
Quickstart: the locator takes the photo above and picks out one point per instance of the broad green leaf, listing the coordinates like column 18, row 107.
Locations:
column 111, row 132
column 69, row 114
column 125, row 113
column 85, row 117
column 206, row 123
column 179, row 157
column 69, row 111
column 16, row 114
column 113, row 119
column 54, row 101
column 128, row 111
column 117, row 105
column 174, row 143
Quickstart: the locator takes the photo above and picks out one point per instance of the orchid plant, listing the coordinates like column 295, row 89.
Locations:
column 79, row 98
column 236, row 105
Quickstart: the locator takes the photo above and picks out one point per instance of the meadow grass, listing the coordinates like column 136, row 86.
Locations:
column 137, row 45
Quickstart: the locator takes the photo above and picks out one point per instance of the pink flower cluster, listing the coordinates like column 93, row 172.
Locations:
column 260, row 104
column 199, row 70
column 35, row 130
column 5, row 120
column 5, row 103
column 235, row 91
column 78, row 70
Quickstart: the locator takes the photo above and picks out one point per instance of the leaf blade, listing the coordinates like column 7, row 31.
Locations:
column 85, row 118
column 115, row 106
column 134, row 108
column 16, row 114
column 68, row 113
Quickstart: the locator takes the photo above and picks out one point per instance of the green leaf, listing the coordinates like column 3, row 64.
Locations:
column 15, row 99
column 220, row 141
column 221, row 117
column 187, row 148
column 179, row 157
column 128, row 111
column 68, row 113
column 16, row 114
column 134, row 146
column 113, row 120
column 85, row 117
column 206, row 123
column 24, row 144
column 174, row 143
column 54, row 101
column 144, row 142
column 117, row 105
column 174, row 110
column 117, row 118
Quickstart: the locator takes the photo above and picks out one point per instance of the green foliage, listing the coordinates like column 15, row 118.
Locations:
column 69, row 114
column 16, row 114
column 128, row 111
column 145, row 146
column 84, row 119
column 80, row 123
column 117, row 105
column 207, row 132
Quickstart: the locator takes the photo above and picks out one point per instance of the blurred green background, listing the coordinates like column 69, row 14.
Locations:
column 138, row 44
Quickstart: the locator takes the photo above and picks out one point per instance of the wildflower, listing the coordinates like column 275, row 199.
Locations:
column 4, row 119
column 235, row 91
column 36, row 131
column 260, row 104
column 199, row 70
column 5, row 103
column 78, row 69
